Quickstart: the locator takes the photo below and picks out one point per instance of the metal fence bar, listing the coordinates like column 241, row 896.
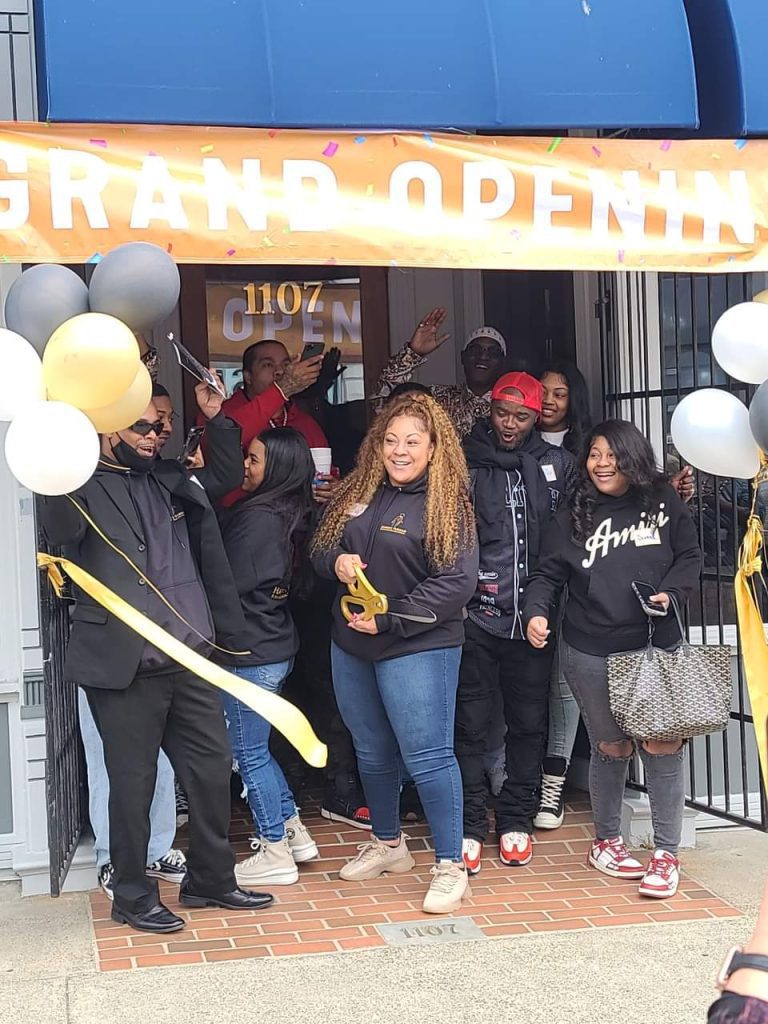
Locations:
column 65, row 767
column 689, row 305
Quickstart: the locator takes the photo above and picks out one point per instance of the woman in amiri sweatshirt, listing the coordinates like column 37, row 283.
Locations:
column 625, row 524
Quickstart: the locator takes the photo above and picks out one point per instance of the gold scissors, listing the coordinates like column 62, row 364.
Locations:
column 362, row 595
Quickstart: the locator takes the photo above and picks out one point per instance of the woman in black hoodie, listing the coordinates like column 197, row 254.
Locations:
column 626, row 524
column 264, row 535
column 405, row 516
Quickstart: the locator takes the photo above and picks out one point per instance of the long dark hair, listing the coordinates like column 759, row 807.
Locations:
column 634, row 458
column 287, row 490
column 579, row 420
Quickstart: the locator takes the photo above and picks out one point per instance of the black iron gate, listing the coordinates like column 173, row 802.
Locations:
column 65, row 765
column 655, row 335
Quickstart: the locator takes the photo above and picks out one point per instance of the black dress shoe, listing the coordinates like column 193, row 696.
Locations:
column 238, row 899
column 156, row 919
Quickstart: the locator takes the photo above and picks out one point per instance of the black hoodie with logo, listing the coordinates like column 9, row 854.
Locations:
column 657, row 545
column 388, row 535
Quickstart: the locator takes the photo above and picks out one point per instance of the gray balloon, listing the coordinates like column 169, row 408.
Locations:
column 136, row 282
column 758, row 416
column 42, row 299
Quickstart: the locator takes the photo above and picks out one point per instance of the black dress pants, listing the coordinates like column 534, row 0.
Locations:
column 489, row 664
column 183, row 715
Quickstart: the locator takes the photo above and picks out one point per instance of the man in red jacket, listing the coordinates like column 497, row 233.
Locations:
column 270, row 379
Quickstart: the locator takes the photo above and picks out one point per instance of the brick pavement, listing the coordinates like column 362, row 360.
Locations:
column 322, row 914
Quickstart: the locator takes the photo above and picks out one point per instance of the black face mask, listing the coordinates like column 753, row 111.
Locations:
column 130, row 458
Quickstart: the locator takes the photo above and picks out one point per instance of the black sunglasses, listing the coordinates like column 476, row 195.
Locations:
column 143, row 427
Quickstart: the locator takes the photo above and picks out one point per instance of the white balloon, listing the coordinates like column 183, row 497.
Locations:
column 740, row 342
column 52, row 448
column 710, row 429
column 24, row 374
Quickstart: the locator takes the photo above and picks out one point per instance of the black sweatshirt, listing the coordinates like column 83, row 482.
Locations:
column 388, row 536
column 602, row 614
column 260, row 552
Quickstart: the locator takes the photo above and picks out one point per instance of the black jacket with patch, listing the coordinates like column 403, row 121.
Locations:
column 388, row 536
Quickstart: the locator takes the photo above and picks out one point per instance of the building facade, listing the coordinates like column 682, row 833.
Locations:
column 668, row 70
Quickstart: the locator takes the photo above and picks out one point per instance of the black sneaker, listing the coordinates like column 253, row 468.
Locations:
column 551, row 803
column 182, row 805
column 170, row 868
column 106, row 878
column 340, row 808
column 410, row 804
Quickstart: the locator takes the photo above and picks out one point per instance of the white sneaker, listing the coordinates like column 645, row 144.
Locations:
column 270, row 864
column 450, row 884
column 375, row 858
column 612, row 857
column 472, row 853
column 303, row 846
column 662, row 876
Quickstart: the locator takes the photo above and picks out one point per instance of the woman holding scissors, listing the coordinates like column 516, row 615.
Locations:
column 404, row 516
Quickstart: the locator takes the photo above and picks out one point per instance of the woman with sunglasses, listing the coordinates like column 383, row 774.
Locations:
column 265, row 534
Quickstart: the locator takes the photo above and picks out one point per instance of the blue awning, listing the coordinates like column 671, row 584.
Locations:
column 487, row 65
column 729, row 38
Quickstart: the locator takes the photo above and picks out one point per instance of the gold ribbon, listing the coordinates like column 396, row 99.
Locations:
column 754, row 649
column 282, row 715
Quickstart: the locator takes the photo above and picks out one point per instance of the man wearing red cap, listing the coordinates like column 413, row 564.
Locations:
column 518, row 481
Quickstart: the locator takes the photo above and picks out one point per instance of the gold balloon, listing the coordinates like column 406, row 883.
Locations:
column 90, row 361
column 127, row 409
column 762, row 297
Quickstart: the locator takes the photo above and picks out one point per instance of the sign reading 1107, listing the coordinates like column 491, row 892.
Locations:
column 288, row 296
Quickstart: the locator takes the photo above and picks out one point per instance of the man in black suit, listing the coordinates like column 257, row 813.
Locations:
column 141, row 700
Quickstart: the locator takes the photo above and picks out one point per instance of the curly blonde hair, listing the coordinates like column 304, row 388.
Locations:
column 449, row 520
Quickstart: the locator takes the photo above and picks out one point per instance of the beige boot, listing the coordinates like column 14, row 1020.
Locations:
column 450, row 884
column 376, row 858
column 271, row 864
column 303, row 846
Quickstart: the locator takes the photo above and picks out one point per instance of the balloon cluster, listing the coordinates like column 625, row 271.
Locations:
column 76, row 369
column 712, row 429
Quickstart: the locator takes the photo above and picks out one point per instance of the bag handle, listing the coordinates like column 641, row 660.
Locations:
column 679, row 618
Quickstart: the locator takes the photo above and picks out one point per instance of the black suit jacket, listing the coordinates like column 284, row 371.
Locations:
column 223, row 470
column 102, row 651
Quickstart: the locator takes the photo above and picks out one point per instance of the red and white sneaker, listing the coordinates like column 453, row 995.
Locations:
column 612, row 857
column 472, row 852
column 515, row 849
column 662, row 876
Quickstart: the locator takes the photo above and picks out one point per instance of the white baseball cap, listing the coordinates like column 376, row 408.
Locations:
column 487, row 332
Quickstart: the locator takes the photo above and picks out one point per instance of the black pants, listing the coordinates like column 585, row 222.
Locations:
column 490, row 664
column 184, row 715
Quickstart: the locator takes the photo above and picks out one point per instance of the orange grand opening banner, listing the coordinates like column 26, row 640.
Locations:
column 70, row 193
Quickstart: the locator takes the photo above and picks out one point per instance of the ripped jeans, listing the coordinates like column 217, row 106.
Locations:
column 587, row 676
column 269, row 798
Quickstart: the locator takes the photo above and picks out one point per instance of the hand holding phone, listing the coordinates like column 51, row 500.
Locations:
column 191, row 444
column 644, row 592
column 312, row 350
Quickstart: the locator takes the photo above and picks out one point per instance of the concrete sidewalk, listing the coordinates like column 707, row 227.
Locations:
column 48, row 972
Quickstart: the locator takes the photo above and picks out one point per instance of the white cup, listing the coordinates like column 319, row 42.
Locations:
column 322, row 460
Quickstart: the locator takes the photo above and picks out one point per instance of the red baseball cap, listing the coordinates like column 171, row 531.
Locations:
column 529, row 394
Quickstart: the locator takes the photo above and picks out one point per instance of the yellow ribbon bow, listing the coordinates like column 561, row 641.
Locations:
column 286, row 718
column 754, row 649
column 362, row 594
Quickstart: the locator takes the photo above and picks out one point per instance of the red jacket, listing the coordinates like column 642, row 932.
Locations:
column 271, row 408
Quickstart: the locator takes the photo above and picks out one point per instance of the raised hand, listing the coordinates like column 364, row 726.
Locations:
column 426, row 338
column 300, row 375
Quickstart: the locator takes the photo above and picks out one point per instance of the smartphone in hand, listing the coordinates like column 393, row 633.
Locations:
column 644, row 592
column 191, row 444
column 312, row 349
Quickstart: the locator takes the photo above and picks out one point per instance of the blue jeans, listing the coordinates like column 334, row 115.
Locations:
column 564, row 712
column 405, row 704
column 269, row 798
column 162, row 812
